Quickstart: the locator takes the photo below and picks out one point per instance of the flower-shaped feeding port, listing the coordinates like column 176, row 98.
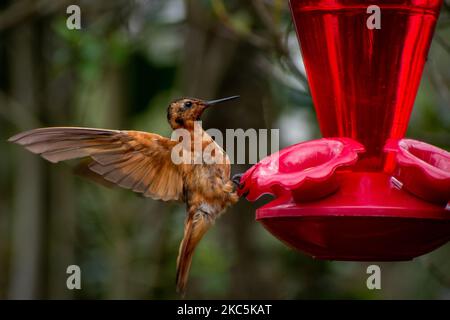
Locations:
column 306, row 170
column 367, row 218
column 422, row 169
column 332, row 200
column 326, row 208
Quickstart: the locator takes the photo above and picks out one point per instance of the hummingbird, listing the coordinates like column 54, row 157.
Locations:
column 142, row 162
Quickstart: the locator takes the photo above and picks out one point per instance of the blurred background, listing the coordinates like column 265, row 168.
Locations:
column 120, row 71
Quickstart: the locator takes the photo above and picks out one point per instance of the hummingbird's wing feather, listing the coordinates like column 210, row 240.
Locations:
column 134, row 160
column 82, row 169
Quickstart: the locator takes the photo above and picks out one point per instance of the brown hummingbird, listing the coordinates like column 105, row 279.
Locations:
column 142, row 162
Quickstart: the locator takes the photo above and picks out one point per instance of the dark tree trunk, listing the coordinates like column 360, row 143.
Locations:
column 28, row 216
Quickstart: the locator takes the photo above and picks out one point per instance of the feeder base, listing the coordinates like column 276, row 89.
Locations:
column 367, row 219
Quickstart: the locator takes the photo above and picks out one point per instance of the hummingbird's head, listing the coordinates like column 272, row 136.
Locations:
column 183, row 112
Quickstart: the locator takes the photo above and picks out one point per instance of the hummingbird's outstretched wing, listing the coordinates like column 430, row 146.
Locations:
column 135, row 160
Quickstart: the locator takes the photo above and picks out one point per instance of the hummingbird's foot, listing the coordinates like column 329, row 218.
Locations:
column 237, row 180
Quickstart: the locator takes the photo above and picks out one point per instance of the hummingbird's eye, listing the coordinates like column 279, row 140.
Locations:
column 188, row 104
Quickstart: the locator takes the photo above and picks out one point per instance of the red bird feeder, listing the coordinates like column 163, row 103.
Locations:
column 363, row 192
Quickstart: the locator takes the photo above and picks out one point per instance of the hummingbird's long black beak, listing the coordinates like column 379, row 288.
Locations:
column 214, row 102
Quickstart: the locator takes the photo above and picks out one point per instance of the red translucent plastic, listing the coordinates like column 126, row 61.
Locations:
column 382, row 206
column 422, row 169
column 364, row 82
column 305, row 170
column 367, row 219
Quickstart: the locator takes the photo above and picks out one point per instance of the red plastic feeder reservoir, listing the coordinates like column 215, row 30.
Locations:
column 363, row 192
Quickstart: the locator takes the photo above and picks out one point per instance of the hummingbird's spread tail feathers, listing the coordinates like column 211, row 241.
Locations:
column 196, row 226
